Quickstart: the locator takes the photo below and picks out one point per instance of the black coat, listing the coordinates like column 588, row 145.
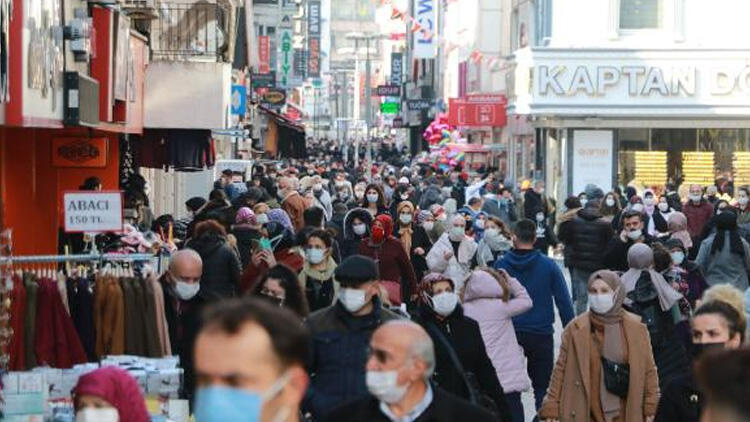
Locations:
column 585, row 239
column 419, row 239
column 245, row 237
column 616, row 254
column 444, row 407
column 463, row 334
column 680, row 401
column 221, row 265
column 532, row 203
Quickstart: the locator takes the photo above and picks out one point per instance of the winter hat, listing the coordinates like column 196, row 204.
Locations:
column 404, row 180
column 593, row 192
column 245, row 216
column 118, row 388
column 195, row 203
column 422, row 216
column 356, row 270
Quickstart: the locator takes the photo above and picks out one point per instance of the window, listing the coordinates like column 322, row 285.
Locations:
column 543, row 23
column 640, row 14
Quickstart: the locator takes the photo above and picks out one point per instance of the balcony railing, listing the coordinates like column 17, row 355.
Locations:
column 190, row 31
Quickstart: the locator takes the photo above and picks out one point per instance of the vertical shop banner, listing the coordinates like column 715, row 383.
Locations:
column 313, row 38
column 397, row 65
column 425, row 43
column 264, row 54
column 592, row 159
column 284, row 58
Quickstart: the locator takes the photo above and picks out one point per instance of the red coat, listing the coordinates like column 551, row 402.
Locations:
column 393, row 264
column 57, row 341
column 697, row 216
column 17, row 320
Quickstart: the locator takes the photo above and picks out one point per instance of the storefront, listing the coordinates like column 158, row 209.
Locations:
column 635, row 117
column 482, row 119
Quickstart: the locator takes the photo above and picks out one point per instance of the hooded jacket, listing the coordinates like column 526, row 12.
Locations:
column 483, row 303
column 544, row 282
column 585, row 239
column 393, row 262
column 351, row 241
column 221, row 265
column 457, row 268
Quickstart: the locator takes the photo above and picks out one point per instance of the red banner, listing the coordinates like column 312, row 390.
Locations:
column 264, row 54
column 478, row 110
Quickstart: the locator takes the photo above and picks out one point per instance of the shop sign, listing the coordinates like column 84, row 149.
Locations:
column 390, row 108
column 274, row 97
column 239, row 100
column 313, row 38
column 397, row 65
column 264, row 54
column 478, row 110
column 398, row 122
column 92, row 212
column 79, row 152
column 425, row 44
column 285, row 57
column 260, row 80
column 592, row 159
column 416, row 105
column 388, row 91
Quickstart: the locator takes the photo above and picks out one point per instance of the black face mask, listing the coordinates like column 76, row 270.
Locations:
column 273, row 300
column 698, row 350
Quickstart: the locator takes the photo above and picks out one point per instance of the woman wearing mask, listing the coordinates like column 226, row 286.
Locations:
column 492, row 298
column 610, row 206
column 424, row 237
column 413, row 237
column 545, row 237
column 281, row 287
column 453, row 254
column 261, row 213
column 109, row 394
column 689, row 271
column 478, row 225
column 655, row 223
column 724, row 256
column 316, row 277
column 743, row 208
column 282, row 251
column 393, row 262
column 246, row 230
column 596, row 347
column 494, row 244
column 661, row 214
column 359, row 191
column 677, row 225
column 715, row 325
column 650, row 296
column 374, row 201
column 356, row 227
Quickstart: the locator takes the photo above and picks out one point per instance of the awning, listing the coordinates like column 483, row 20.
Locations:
column 282, row 120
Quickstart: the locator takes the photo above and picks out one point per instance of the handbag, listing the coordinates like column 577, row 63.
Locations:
column 616, row 377
column 476, row 396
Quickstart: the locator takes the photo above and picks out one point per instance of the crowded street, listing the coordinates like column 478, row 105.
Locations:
column 374, row 211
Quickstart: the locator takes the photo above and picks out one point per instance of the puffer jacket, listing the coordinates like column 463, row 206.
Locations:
column 221, row 265
column 351, row 241
column 586, row 237
column 483, row 303
column 457, row 268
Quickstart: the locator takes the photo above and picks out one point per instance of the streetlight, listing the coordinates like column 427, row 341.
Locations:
column 357, row 37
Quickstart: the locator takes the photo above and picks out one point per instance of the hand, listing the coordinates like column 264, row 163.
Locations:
column 419, row 251
column 649, row 418
column 268, row 257
column 256, row 259
column 624, row 236
column 447, row 255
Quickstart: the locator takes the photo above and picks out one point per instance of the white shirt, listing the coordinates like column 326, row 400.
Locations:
column 414, row 413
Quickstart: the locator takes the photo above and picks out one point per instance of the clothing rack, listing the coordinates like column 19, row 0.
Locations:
column 82, row 257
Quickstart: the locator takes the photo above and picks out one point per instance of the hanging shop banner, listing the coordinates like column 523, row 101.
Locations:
column 92, row 211
column 264, row 54
column 239, row 100
column 413, row 105
column 313, row 38
column 397, row 65
column 592, row 159
column 478, row 110
column 284, row 58
column 425, row 14
column 261, row 80
column 388, row 91
column 274, row 97
column 79, row 152
column 390, row 108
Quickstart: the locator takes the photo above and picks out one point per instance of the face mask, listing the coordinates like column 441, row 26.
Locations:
column 638, row 207
column 491, row 233
column 378, row 234
column 276, row 301
column 90, row 414
column 261, row 219
column 359, row 229
column 219, row 404
column 405, row 218
column 480, row 224
column 648, row 201
column 603, row 303
column 186, row 291
column 457, row 234
column 339, row 183
column 540, row 217
column 444, row 303
column 610, row 202
column 663, row 207
column 352, row 299
column 699, row 349
column 404, row 197
column 315, row 256
column 372, row 198
column 317, row 187
column 742, row 200
column 343, row 196
column 384, row 386
column 428, row 225
column 583, row 202
column 281, row 194
column 635, row 234
column 359, row 193
column 695, row 197
column 442, row 217
column 677, row 257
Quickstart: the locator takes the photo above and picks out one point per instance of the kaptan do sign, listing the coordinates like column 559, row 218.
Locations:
column 93, row 212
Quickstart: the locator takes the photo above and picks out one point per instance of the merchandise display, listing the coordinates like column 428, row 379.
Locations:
column 698, row 167
column 651, row 167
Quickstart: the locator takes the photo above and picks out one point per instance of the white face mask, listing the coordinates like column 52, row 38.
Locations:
column 442, row 217
column 428, row 225
column 663, row 207
column 352, row 299
column 648, row 201
column 315, row 256
column 359, row 229
column 480, row 224
column 601, row 303
column 610, row 202
column 695, row 197
column 384, row 386
column 90, row 414
column 457, row 234
column 317, row 187
column 742, row 200
column 261, row 219
column 405, row 218
column 539, row 217
column 491, row 233
column 372, row 198
column 444, row 303
column 638, row 207
column 186, row 291
column 635, row 234
column 677, row 257
column 584, row 201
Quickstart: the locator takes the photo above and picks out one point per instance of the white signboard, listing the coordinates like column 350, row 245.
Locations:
column 592, row 159
column 93, row 212
column 425, row 42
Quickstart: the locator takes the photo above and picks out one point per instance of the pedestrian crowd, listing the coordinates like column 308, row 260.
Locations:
column 325, row 291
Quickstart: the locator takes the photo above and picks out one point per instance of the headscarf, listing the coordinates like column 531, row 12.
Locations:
column 387, row 223
column 280, row 216
column 119, row 389
column 405, row 232
column 421, row 216
column 424, row 289
column 613, row 348
column 649, row 209
column 677, row 224
column 727, row 222
column 640, row 259
column 245, row 217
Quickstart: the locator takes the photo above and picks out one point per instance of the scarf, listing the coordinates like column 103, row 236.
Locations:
column 641, row 259
column 405, row 234
column 677, row 224
column 309, row 271
column 614, row 345
column 726, row 224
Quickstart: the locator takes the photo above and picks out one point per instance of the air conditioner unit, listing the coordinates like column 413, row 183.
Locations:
column 81, row 99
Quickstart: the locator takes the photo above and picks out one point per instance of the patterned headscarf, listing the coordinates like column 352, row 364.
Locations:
column 280, row 216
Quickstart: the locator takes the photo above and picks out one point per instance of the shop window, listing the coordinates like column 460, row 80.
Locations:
column 641, row 14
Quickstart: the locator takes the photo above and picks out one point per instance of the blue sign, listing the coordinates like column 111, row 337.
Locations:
column 239, row 100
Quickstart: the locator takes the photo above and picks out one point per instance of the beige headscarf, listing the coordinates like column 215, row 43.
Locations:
column 677, row 224
column 405, row 232
column 640, row 259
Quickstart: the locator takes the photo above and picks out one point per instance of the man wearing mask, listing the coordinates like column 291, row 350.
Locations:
column 183, row 304
column 698, row 211
column 399, row 368
column 616, row 253
column 459, row 346
column 249, row 361
column 340, row 336
column 292, row 202
column 501, row 206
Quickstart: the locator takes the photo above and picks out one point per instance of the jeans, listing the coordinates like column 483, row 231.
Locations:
column 515, row 405
column 579, row 280
column 539, row 352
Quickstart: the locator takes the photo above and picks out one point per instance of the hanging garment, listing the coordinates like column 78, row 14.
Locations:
column 57, row 343
column 109, row 317
column 151, row 335
column 32, row 294
column 134, row 344
column 81, row 301
column 17, row 322
column 161, row 320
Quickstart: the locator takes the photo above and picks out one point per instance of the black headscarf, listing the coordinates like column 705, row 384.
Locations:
column 726, row 222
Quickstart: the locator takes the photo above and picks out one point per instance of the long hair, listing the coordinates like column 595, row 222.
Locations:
column 501, row 278
column 294, row 298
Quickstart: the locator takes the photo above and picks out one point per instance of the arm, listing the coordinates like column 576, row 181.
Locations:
column 407, row 272
column 551, row 406
column 668, row 409
column 702, row 258
column 651, row 391
column 487, row 376
column 520, row 300
column 435, row 260
column 562, row 296
column 474, row 189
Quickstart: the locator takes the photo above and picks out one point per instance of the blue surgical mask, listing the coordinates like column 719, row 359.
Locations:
column 221, row 404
